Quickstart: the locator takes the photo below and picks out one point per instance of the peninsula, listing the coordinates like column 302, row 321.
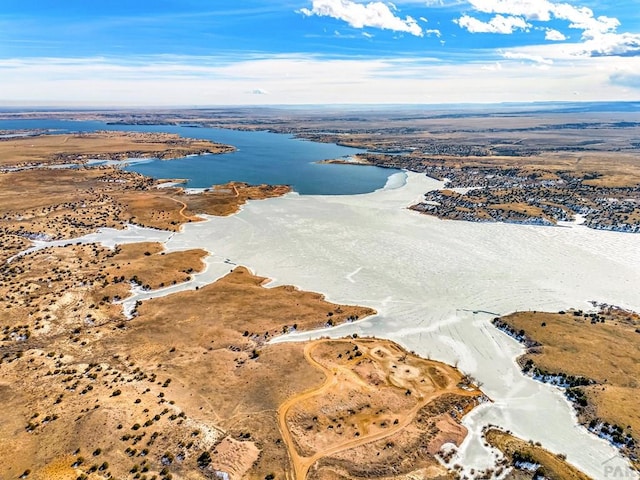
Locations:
column 38, row 149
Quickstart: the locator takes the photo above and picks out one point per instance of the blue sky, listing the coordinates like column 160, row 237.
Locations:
column 214, row 52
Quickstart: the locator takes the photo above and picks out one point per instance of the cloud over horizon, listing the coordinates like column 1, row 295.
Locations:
column 515, row 77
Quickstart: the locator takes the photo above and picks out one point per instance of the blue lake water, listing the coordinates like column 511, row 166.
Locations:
column 261, row 157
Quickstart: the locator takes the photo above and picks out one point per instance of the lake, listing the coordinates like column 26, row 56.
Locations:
column 261, row 157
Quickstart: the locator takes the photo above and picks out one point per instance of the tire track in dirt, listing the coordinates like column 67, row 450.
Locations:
column 301, row 464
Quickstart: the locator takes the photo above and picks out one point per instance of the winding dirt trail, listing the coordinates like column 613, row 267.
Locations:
column 182, row 210
column 301, row 464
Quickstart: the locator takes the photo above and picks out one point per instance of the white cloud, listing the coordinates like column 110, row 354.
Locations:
column 621, row 44
column 599, row 33
column 373, row 14
column 259, row 91
column 433, row 31
column 554, row 35
column 302, row 79
column 498, row 24
column 582, row 18
column 530, row 9
column 524, row 56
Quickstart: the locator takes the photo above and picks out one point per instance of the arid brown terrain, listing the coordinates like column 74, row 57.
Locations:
column 531, row 460
column 188, row 386
column 594, row 356
column 380, row 412
column 41, row 204
column 38, row 150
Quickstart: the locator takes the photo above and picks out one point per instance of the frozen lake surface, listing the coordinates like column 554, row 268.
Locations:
column 435, row 284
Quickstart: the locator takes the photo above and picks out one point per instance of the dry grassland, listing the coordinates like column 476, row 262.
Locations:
column 603, row 347
column 64, row 204
column 64, row 391
column 169, row 208
column 77, row 375
column 223, row 200
column 80, row 147
column 59, row 204
column 551, row 466
column 380, row 412
column 189, row 386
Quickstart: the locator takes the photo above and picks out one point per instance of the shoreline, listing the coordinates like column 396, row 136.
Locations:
column 432, row 283
column 279, row 277
column 547, row 359
column 411, row 380
column 103, row 145
column 182, row 240
column 395, row 199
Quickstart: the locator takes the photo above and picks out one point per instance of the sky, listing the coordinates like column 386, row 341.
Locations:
column 270, row 52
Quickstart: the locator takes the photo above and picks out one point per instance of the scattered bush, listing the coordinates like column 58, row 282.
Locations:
column 204, row 460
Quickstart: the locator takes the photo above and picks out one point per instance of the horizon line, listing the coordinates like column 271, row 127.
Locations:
column 8, row 106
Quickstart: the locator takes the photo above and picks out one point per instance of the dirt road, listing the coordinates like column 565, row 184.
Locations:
column 340, row 373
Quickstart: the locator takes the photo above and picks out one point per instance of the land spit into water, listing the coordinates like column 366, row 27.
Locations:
column 527, row 167
column 592, row 356
column 540, row 191
column 69, row 203
column 79, row 148
column 531, row 460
